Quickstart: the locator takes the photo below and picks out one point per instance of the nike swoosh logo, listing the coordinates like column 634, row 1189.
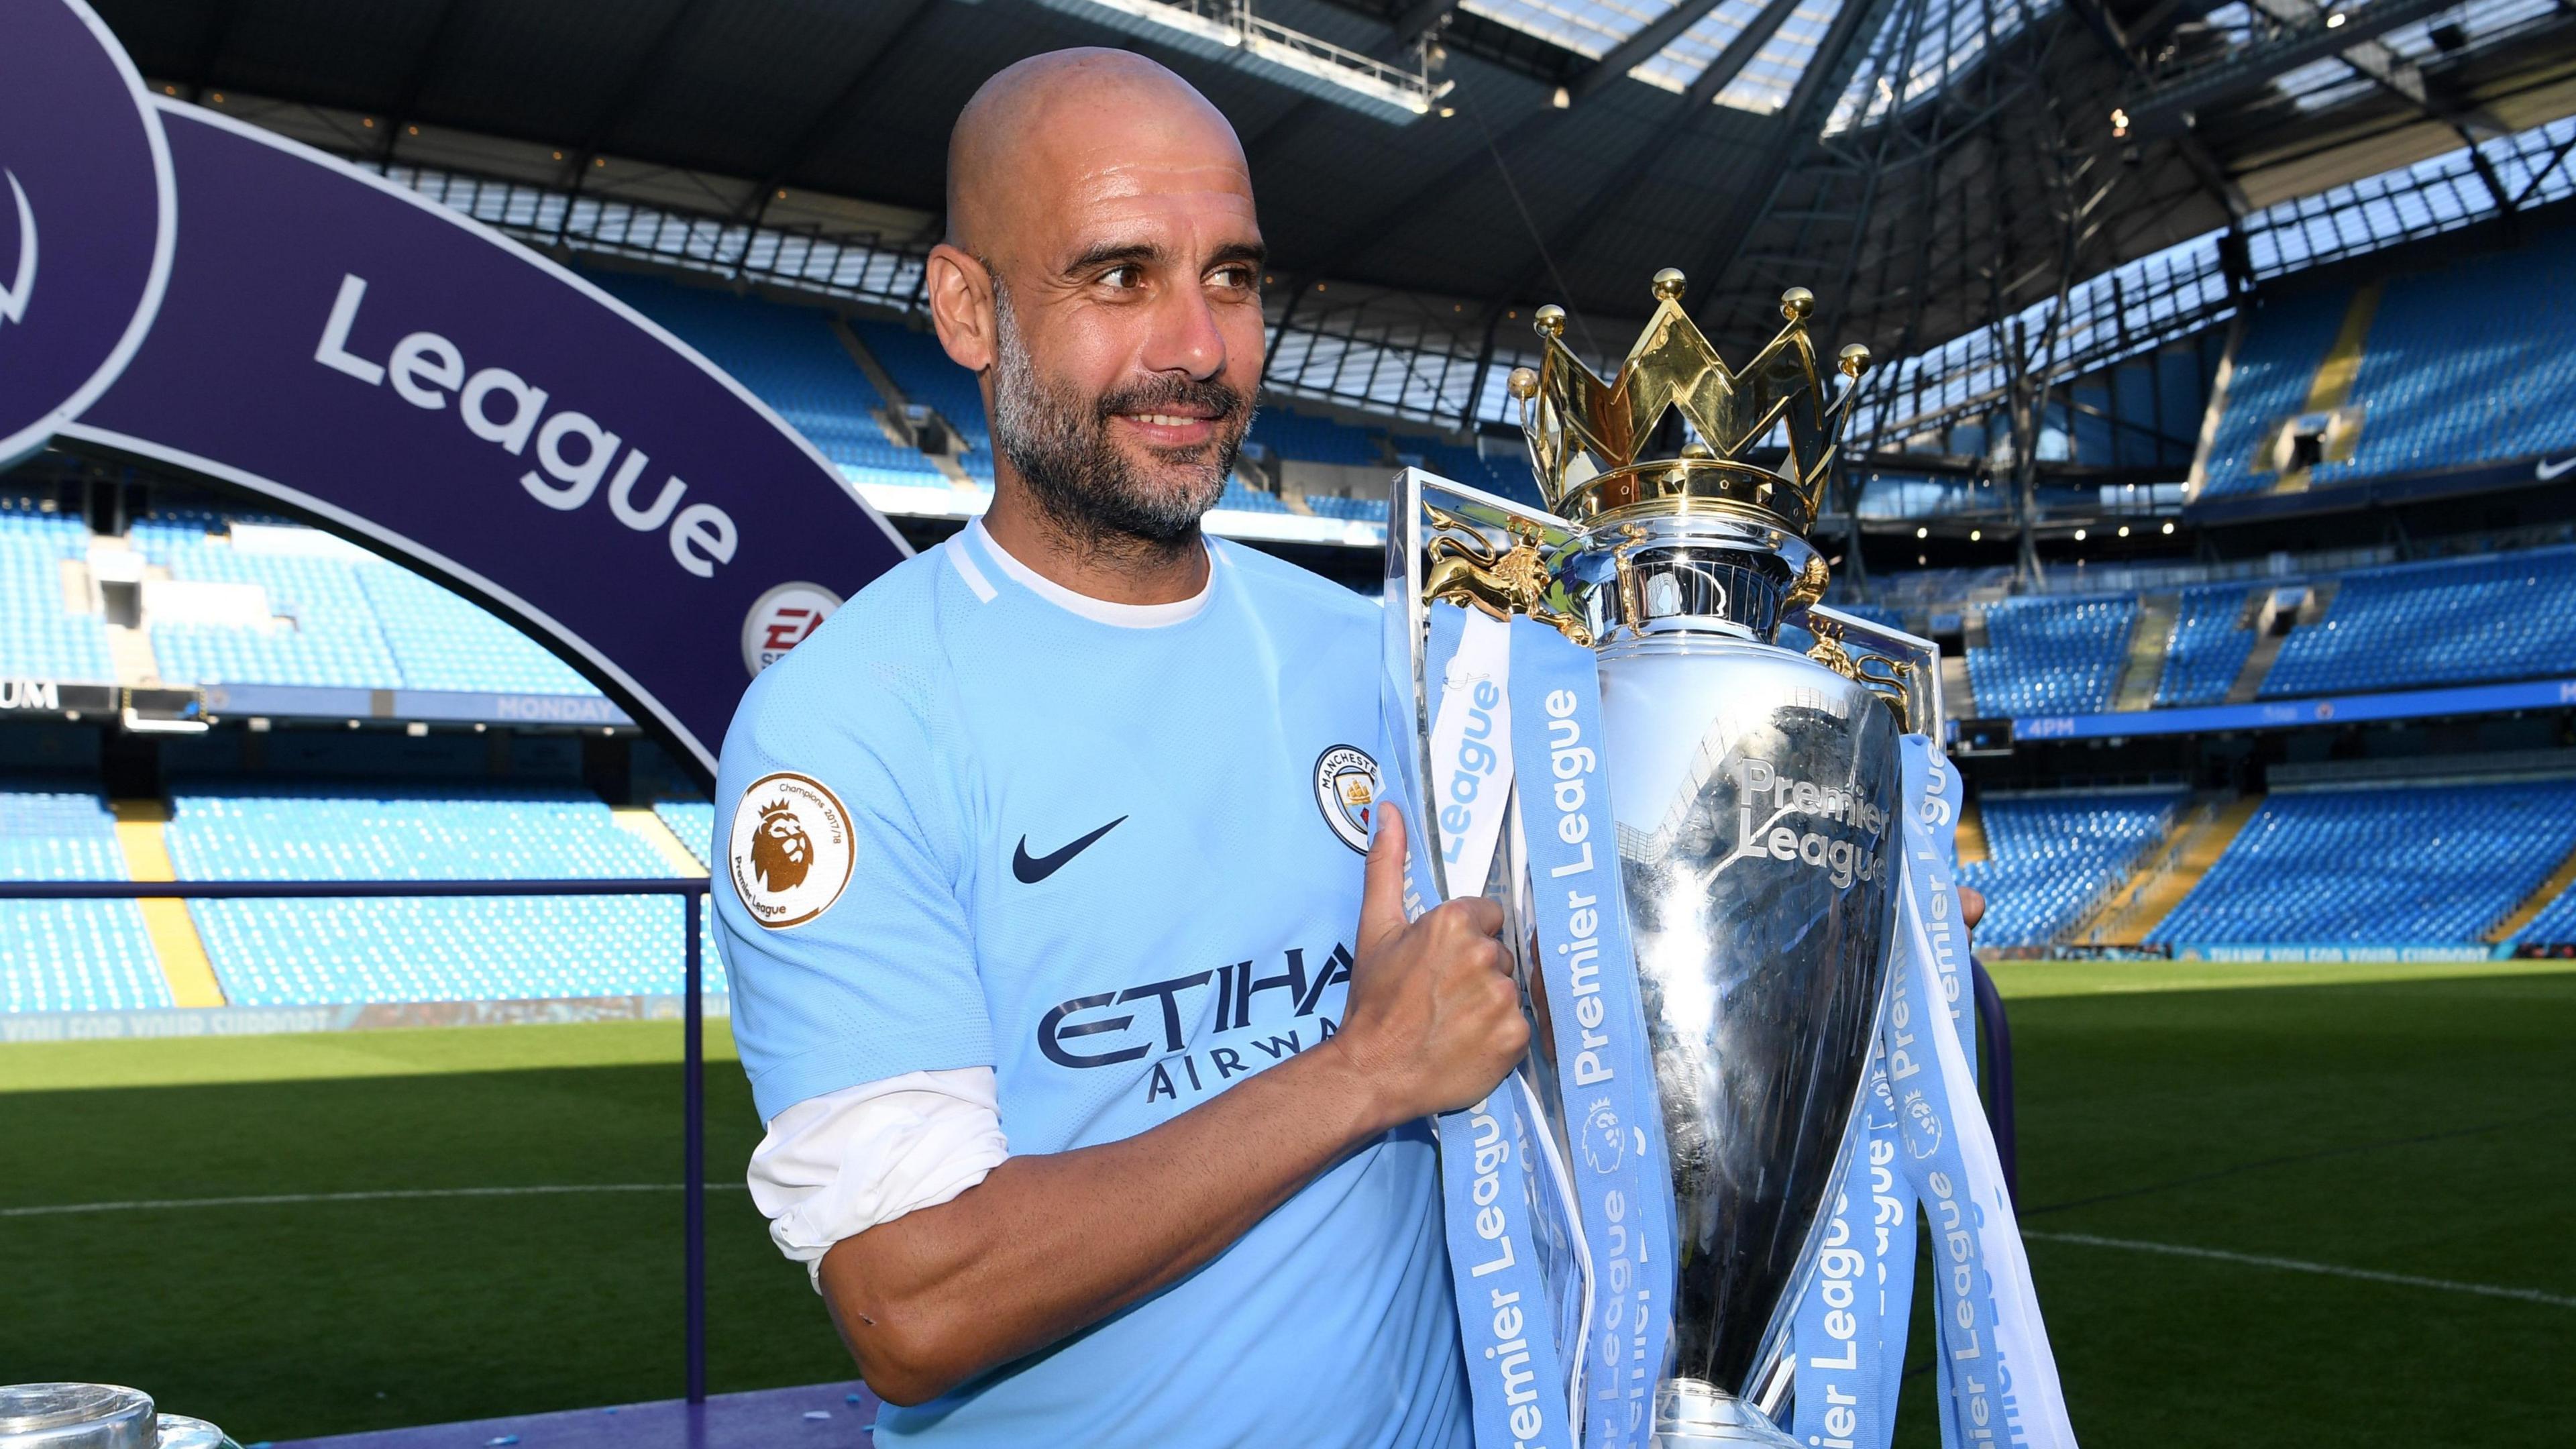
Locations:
column 2548, row 470
column 1032, row 869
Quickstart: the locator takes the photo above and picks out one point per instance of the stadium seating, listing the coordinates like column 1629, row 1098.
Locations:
column 694, row 821
column 274, row 953
column 2458, row 369
column 69, row 955
column 2285, row 342
column 1314, row 440
column 39, row 637
column 918, row 366
column 2388, row 866
column 1250, row 500
column 2471, row 362
column 2054, row 857
column 1504, row 470
column 2503, row 616
column 2051, row 655
column 2208, row 647
column 351, row 621
column 789, row 358
column 1354, row 510
column 2555, row 925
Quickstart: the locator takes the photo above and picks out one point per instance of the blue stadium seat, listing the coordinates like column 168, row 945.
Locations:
column 2051, row 656
column 2052, row 858
column 69, row 955
column 2389, row 866
column 274, row 953
column 2208, row 647
column 2503, row 616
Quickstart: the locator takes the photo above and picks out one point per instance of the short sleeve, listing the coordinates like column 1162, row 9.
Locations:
column 837, row 887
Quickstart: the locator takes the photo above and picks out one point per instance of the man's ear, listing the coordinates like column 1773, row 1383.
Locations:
column 961, row 307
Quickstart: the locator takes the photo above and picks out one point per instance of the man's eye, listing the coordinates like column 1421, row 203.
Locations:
column 1124, row 277
column 1238, row 278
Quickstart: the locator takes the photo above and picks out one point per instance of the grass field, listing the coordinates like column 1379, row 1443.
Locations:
column 2410, row 1121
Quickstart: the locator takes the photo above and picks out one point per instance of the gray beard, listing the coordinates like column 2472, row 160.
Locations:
column 1084, row 485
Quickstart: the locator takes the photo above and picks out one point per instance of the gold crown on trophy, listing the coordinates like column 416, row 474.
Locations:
column 1586, row 435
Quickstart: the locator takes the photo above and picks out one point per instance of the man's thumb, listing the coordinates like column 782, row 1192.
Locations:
column 1382, row 889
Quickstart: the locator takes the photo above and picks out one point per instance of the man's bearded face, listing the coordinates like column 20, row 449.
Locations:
column 1062, row 444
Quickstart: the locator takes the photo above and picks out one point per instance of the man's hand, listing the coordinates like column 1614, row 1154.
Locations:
column 1972, row 906
column 1051, row 1242
column 1433, row 1018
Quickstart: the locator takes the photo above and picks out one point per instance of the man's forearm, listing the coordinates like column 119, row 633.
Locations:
column 1049, row 1243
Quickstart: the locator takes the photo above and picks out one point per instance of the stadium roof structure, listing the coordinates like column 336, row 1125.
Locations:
column 1928, row 167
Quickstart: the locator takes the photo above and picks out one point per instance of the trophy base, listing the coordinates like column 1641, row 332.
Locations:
column 1689, row 1413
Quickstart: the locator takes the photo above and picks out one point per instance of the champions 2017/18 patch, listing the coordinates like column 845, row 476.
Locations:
column 790, row 849
column 1346, row 786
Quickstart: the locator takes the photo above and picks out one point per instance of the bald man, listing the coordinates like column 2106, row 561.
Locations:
column 1092, row 1041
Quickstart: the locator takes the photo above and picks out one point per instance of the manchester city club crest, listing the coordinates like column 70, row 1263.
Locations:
column 789, row 850
column 1346, row 786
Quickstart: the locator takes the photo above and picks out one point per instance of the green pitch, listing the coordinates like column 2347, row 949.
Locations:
column 2411, row 1121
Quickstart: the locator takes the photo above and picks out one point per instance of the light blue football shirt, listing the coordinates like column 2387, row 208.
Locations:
column 904, row 885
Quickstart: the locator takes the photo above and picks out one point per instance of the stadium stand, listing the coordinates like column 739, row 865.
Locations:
column 2285, row 343
column 1249, row 500
column 2555, row 925
column 2394, row 865
column 1355, row 510
column 2050, row 655
column 2053, row 857
column 2449, row 621
column 342, row 618
column 2439, row 394
column 276, row 953
column 918, row 366
column 790, row 359
column 1314, row 440
column 39, row 637
column 2432, row 393
column 694, row 821
column 69, row 955
column 1505, row 470
column 2208, row 647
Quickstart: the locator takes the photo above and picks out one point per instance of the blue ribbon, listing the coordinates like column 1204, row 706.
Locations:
column 1604, row 1069
column 1851, row 1328
column 1497, row 1198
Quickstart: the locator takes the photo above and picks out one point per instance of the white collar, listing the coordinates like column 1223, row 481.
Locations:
column 1124, row 616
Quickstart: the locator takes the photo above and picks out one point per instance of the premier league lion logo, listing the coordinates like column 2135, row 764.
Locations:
column 780, row 850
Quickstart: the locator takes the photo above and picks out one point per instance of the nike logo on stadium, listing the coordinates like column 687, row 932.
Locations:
column 1031, row 869
column 2548, row 470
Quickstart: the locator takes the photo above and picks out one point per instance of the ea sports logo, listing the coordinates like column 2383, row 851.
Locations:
column 87, row 218
column 784, row 618
column 789, row 851
column 1346, row 786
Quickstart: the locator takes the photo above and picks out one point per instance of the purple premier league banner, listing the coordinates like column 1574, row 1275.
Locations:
column 179, row 287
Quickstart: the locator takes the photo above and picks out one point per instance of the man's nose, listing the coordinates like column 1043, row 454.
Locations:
column 1185, row 336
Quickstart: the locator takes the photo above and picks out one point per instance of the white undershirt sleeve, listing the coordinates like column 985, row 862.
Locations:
column 834, row 1166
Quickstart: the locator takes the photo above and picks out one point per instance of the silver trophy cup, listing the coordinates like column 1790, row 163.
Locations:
column 1756, row 793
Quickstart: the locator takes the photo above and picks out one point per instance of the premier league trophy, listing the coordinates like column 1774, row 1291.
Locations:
column 1753, row 800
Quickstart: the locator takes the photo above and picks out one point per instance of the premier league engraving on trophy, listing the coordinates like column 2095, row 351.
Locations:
column 1754, row 795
